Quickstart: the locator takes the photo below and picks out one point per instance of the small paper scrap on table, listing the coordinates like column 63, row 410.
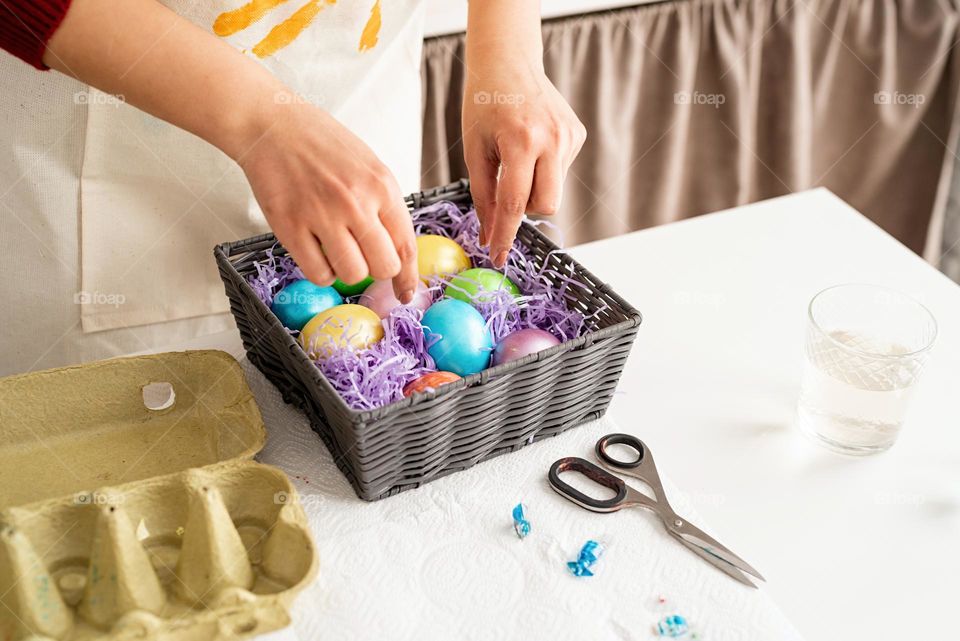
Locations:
column 520, row 523
column 673, row 626
column 590, row 553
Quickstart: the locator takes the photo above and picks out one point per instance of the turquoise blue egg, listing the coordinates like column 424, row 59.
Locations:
column 464, row 343
column 301, row 300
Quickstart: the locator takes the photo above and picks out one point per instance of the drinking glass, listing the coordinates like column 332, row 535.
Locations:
column 866, row 347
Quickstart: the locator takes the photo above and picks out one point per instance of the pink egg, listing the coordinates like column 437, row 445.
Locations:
column 522, row 342
column 380, row 298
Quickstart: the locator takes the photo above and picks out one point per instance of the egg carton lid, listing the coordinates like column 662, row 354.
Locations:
column 73, row 429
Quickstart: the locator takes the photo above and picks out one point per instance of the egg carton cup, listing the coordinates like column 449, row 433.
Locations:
column 418, row 439
column 215, row 548
column 212, row 553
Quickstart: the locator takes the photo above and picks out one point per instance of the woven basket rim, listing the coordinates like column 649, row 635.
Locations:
column 358, row 418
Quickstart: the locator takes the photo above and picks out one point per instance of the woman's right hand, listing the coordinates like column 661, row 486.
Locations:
column 316, row 182
column 330, row 201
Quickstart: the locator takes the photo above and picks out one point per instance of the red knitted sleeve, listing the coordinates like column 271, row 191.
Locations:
column 26, row 26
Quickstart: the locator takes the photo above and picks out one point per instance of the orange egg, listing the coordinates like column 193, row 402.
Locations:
column 429, row 381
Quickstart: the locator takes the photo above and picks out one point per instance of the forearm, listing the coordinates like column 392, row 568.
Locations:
column 499, row 30
column 168, row 67
column 519, row 134
column 325, row 194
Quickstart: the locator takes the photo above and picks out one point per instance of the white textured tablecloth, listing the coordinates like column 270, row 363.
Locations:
column 443, row 562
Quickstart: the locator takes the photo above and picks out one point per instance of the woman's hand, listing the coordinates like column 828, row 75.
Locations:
column 316, row 182
column 329, row 200
column 519, row 135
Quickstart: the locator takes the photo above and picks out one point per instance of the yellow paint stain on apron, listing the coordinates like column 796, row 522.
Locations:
column 371, row 31
column 288, row 30
column 230, row 22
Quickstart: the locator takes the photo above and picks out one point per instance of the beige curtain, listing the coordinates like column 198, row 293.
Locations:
column 949, row 245
column 697, row 105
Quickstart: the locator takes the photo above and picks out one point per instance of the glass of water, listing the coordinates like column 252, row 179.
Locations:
column 866, row 347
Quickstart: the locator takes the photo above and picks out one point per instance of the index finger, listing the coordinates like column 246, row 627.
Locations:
column 513, row 192
column 396, row 219
column 483, row 187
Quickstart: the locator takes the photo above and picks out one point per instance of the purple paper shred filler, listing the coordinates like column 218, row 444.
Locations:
column 375, row 376
column 273, row 274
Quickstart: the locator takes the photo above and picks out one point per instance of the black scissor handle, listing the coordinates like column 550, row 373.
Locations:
column 621, row 439
column 595, row 474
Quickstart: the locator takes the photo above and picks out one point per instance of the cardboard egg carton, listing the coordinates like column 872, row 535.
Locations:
column 130, row 512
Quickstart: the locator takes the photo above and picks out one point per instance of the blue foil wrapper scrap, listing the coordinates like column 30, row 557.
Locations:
column 520, row 523
column 673, row 626
column 590, row 553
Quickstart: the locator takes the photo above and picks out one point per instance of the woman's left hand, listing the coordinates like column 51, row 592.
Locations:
column 519, row 139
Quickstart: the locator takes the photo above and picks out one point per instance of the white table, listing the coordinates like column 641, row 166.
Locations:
column 852, row 548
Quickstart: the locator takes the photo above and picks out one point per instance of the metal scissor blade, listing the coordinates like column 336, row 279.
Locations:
column 693, row 535
column 716, row 561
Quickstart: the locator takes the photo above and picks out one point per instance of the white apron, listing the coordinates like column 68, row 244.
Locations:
column 109, row 216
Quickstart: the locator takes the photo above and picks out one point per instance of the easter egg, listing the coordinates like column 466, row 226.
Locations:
column 301, row 300
column 429, row 381
column 341, row 326
column 522, row 342
column 380, row 298
column 439, row 256
column 352, row 290
column 461, row 342
column 470, row 284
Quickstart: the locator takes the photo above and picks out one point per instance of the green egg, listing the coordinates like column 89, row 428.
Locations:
column 352, row 290
column 468, row 285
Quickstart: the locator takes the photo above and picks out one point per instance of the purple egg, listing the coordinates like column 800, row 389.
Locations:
column 380, row 298
column 522, row 342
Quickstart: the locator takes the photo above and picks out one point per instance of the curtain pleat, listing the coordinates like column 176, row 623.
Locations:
column 697, row 105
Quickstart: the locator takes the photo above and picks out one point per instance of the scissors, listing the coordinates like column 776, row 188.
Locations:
column 644, row 469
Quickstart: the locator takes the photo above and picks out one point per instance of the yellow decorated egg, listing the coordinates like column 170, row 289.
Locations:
column 439, row 256
column 353, row 326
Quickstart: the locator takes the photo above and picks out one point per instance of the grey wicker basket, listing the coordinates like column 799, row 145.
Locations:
column 418, row 439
